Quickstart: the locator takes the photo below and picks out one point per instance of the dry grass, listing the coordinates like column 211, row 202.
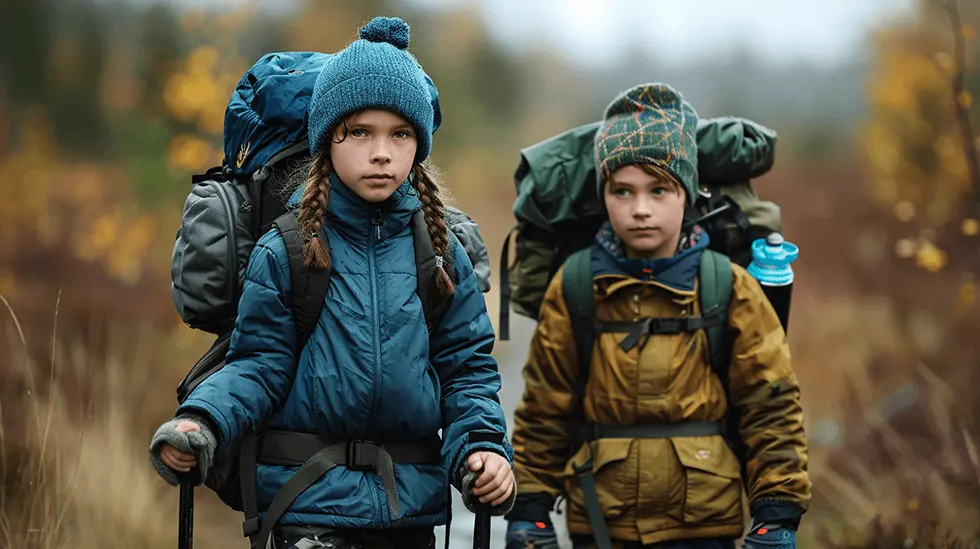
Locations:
column 900, row 475
column 74, row 471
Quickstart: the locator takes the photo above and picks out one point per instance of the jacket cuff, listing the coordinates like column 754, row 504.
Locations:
column 477, row 441
column 534, row 507
column 776, row 511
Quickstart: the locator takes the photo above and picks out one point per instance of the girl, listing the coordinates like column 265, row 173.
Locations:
column 373, row 380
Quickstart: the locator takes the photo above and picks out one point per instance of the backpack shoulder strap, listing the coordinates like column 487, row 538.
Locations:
column 715, row 292
column 425, row 261
column 579, row 297
column 309, row 284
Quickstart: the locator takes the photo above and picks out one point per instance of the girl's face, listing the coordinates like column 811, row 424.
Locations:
column 376, row 154
column 646, row 211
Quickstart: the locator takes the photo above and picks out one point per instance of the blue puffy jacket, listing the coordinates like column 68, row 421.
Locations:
column 371, row 371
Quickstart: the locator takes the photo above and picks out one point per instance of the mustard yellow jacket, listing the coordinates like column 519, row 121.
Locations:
column 653, row 490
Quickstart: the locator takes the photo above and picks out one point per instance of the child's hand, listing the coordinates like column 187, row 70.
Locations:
column 496, row 482
column 183, row 449
column 175, row 459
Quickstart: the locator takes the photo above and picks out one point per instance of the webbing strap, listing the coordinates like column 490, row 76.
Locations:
column 641, row 329
column 301, row 146
column 597, row 519
column 309, row 284
column 505, row 287
column 246, row 475
column 293, row 449
column 316, row 467
column 580, row 299
column 355, row 455
column 594, row 431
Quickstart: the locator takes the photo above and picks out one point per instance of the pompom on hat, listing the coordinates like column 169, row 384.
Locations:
column 375, row 71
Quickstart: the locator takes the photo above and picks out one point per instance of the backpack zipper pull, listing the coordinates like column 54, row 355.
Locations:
column 377, row 224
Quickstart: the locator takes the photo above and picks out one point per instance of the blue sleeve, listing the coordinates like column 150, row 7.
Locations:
column 260, row 362
column 460, row 350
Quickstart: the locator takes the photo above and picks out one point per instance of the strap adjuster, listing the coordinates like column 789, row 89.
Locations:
column 360, row 456
column 666, row 325
column 250, row 527
column 585, row 468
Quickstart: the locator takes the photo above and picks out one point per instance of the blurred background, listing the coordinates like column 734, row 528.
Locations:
column 108, row 106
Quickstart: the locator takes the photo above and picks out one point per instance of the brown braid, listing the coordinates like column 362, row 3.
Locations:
column 435, row 221
column 313, row 209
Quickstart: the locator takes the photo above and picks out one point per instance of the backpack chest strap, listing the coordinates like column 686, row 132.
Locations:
column 639, row 330
column 595, row 431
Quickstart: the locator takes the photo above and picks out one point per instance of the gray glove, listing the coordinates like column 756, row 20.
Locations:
column 202, row 443
column 472, row 503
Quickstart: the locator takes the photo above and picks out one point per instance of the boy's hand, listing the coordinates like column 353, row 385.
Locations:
column 522, row 534
column 765, row 536
column 495, row 482
column 175, row 459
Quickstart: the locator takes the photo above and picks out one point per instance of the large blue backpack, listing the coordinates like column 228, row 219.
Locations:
column 232, row 205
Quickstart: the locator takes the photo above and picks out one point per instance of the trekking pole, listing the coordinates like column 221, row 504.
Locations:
column 481, row 530
column 185, row 517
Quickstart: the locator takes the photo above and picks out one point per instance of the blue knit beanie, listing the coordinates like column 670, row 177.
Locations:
column 375, row 71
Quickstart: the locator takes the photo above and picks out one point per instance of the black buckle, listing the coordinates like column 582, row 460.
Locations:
column 250, row 527
column 359, row 456
column 666, row 326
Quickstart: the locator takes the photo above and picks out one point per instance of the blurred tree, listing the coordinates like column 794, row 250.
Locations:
column 72, row 90
column 919, row 141
column 920, row 151
column 25, row 40
column 160, row 50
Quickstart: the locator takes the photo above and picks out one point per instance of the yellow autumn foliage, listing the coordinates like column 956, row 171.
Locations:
column 967, row 296
column 970, row 227
column 199, row 92
column 190, row 152
column 912, row 141
column 930, row 257
column 88, row 208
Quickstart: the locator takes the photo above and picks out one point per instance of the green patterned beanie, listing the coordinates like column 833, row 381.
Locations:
column 649, row 124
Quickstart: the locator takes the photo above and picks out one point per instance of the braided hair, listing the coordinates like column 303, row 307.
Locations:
column 435, row 221
column 313, row 210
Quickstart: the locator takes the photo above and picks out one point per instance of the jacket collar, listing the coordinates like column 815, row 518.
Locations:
column 676, row 273
column 359, row 219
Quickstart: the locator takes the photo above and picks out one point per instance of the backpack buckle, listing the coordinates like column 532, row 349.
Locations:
column 251, row 527
column 361, row 455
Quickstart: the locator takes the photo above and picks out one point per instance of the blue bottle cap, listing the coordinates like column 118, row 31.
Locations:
column 771, row 258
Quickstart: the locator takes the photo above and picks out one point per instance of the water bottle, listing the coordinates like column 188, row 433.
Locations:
column 771, row 258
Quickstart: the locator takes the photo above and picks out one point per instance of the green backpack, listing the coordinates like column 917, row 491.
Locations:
column 558, row 214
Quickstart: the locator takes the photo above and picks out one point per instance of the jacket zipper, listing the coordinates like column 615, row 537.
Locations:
column 372, row 260
column 372, row 268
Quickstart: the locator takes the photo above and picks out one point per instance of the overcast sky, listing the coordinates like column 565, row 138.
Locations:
column 778, row 31
column 593, row 31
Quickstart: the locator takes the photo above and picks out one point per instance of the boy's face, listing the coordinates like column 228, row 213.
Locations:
column 374, row 153
column 646, row 211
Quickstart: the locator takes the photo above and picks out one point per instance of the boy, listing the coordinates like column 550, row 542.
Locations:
column 655, row 470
